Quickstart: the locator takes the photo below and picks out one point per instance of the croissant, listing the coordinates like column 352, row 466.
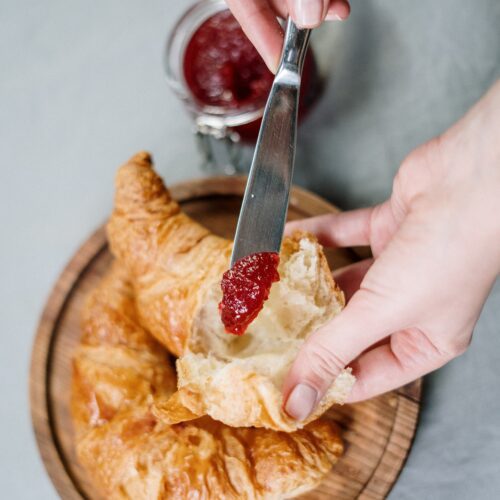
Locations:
column 176, row 267
column 120, row 371
column 117, row 364
column 171, row 259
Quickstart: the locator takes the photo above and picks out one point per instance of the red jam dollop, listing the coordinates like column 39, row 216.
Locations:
column 222, row 68
column 245, row 288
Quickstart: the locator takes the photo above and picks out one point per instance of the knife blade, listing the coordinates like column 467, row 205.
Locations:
column 265, row 203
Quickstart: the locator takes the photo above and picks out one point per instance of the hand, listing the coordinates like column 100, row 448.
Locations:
column 258, row 20
column 436, row 248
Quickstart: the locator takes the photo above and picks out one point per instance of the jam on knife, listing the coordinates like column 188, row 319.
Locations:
column 245, row 288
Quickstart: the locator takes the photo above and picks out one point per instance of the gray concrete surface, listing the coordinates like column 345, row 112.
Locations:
column 82, row 88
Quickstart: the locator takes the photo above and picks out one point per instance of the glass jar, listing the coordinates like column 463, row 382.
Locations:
column 222, row 125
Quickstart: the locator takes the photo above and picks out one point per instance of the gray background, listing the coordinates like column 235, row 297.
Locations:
column 82, row 89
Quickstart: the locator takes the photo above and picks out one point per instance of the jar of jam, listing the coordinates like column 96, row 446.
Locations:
column 224, row 83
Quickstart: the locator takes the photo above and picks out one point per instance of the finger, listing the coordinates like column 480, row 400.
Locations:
column 280, row 8
column 258, row 21
column 338, row 10
column 349, row 278
column 408, row 356
column 337, row 230
column 308, row 13
column 373, row 226
column 364, row 321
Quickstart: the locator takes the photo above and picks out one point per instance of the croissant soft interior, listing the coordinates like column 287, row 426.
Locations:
column 120, row 371
column 176, row 267
column 238, row 380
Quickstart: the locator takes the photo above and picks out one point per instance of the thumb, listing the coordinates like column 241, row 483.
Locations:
column 364, row 321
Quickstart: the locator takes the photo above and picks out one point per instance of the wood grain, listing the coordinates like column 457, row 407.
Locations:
column 378, row 433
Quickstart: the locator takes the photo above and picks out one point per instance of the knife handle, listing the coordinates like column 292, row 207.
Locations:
column 294, row 48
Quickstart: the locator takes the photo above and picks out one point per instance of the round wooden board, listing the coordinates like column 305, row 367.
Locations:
column 378, row 434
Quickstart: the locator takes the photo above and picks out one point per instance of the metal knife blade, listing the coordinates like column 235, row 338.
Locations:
column 265, row 204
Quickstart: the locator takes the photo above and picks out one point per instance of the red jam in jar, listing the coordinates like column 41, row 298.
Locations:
column 223, row 69
column 245, row 288
column 221, row 66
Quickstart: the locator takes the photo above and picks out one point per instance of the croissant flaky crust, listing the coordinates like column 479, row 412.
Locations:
column 176, row 266
column 170, row 257
column 117, row 364
column 120, row 372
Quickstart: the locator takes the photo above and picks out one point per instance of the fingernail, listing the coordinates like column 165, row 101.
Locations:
column 333, row 17
column 272, row 64
column 301, row 402
column 308, row 13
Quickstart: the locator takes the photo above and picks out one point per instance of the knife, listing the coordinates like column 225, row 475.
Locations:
column 265, row 204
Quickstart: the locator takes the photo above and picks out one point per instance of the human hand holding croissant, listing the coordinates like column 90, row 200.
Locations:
column 436, row 256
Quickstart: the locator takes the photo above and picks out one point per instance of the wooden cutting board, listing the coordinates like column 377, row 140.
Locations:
column 378, row 434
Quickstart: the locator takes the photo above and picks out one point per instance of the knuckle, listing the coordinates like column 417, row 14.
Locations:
column 417, row 170
column 323, row 363
column 458, row 346
column 406, row 171
column 413, row 348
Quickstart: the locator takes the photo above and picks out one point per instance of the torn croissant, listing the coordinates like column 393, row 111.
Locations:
column 120, row 371
column 176, row 267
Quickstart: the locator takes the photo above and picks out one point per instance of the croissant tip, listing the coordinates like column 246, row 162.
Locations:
column 142, row 158
column 140, row 189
